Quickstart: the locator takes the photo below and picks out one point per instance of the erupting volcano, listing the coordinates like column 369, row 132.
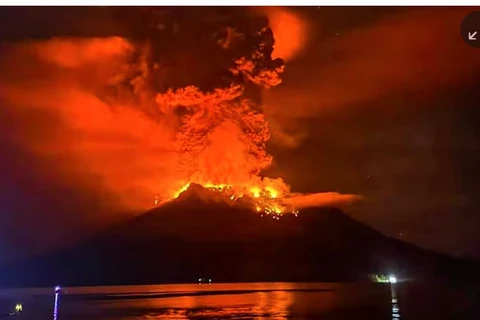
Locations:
column 265, row 201
column 221, row 134
column 144, row 118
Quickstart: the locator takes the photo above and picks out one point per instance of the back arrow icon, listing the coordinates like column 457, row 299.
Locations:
column 471, row 36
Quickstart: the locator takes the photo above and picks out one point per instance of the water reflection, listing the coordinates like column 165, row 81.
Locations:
column 216, row 301
column 273, row 304
column 395, row 307
column 227, row 302
column 55, row 305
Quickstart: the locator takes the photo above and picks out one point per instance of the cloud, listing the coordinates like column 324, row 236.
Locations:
column 322, row 199
column 110, row 145
column 418, row 51
column 291, row 30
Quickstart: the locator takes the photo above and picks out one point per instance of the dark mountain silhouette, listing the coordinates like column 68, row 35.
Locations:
column 200, row 235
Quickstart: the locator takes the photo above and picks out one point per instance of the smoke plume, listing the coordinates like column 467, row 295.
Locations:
column 113, row 146
column 107, row 126
column 322, row 199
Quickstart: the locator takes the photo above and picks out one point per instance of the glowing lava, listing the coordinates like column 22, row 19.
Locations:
column 264, row 199
column 221, row 135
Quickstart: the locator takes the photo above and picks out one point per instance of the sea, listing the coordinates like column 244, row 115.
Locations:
column 352, row 301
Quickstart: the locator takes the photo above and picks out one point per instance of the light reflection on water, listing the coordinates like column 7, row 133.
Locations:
column 235, row 301
column 395, row 305
column 216, row 301
column 55, row 305
column 225, row 301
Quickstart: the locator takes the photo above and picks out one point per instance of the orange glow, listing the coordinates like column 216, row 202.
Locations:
column 291, row 32
column 106, row 130
column 262, row 196
column 255, row 192
column 273, row 193
column 182, row 189
column 72, row 53
column 391, row 66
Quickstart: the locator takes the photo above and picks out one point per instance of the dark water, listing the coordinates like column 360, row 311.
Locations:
column 250, row 301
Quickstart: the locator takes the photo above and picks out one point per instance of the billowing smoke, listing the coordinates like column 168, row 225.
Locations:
column 109, row 144
column 116, row 120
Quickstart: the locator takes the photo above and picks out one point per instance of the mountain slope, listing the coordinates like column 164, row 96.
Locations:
column 199, row 235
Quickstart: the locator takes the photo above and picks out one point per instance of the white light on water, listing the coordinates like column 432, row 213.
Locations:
column 55, row 306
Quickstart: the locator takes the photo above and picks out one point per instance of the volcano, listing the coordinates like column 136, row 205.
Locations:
column 200, row 235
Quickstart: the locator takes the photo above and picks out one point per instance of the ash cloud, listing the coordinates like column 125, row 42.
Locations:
column 417, row 51
column 322, row 199
column 106, row 128
column 112, row 147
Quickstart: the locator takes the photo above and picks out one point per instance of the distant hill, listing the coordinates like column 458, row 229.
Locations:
column 199, row 235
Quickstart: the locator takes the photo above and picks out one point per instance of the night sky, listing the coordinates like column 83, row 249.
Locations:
column 381, row 102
